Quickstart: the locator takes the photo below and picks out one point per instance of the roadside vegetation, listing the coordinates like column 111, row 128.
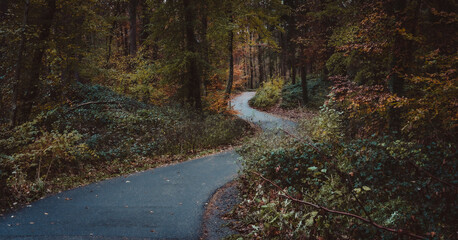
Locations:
column 100, row 88
column 378, row 160
column 101, row 134
column 387, row 181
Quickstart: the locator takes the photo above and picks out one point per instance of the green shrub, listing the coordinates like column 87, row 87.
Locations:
column 376, row 178
column 291, row 96
column 101, row 134
column 268, row 94
column 33, row 165
column 326, row 126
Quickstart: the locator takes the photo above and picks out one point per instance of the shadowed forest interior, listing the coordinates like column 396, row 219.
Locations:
column 91, row 89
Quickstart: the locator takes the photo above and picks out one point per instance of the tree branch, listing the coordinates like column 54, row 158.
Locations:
column 92, row 103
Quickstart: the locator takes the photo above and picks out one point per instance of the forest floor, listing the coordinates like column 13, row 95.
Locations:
column 294, row 114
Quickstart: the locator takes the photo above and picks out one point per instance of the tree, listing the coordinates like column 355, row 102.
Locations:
column 133, row 27
column 28, row 87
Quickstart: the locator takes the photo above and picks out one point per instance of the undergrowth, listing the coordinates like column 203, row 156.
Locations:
column 399, row 184
column 291, row 94
column 268, row 94
column 98, row 134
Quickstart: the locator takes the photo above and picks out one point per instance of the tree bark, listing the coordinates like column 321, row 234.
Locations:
column 3, row 9
column 283, row 55
column 290, row 45
column 396, row 82
column 231, row 60
column 125, row 40
column 260, row 61
column 293, row 69
column 305, row 98
column 205, row 49
column 193, row 78
column 133, row 27
column 20, row 59
column 32, row 85
column 251, row 64
column 145, row 21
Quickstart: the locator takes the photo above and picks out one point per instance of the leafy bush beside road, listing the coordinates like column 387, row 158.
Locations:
column 397, row 184
column 268, row 94
column 101, row 134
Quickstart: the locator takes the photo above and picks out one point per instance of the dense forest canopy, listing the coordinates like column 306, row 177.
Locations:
column 388, row 67
column 403, row 52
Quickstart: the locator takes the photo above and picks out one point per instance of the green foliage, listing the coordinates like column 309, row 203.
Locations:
column 268, row 94
column 374, row 178
column 100, row 134
column 49, row 156
column 327, row 126
column 291, row 94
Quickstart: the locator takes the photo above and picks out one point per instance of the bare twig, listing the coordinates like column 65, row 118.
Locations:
column 93, row 103
column 365, row 220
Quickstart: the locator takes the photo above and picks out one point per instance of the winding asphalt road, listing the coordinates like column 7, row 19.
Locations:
column 162, row 203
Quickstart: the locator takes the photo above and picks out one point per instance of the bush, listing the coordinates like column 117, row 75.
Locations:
column 51, row 155
column 268, row 94
column 101, row 134
column 384, row 179
column 327, row 126
column 291, row 96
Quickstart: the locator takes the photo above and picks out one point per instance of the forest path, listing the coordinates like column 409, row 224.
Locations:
column 162, row 203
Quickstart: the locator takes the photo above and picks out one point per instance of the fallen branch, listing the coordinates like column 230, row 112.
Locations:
column 365, row 220
column 92, row 103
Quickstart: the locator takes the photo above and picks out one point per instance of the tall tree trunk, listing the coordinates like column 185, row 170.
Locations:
column 305, row 98
column 19, row 63
column 260, row 61
column 231, row 59
column 3, row 9
column 283, row 55
column 133, row 27
column 293, row 69
column 290, row 45
column 396, row 82
column 110, row 41
column 251, row 64
column 205, row 44
column 125, row 37
column 32, row 85
column 145, row 21
column 193, row 81
column 271, row 65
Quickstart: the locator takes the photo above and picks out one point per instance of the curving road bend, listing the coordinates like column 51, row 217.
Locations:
column 264, row 120
column 162, row 203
